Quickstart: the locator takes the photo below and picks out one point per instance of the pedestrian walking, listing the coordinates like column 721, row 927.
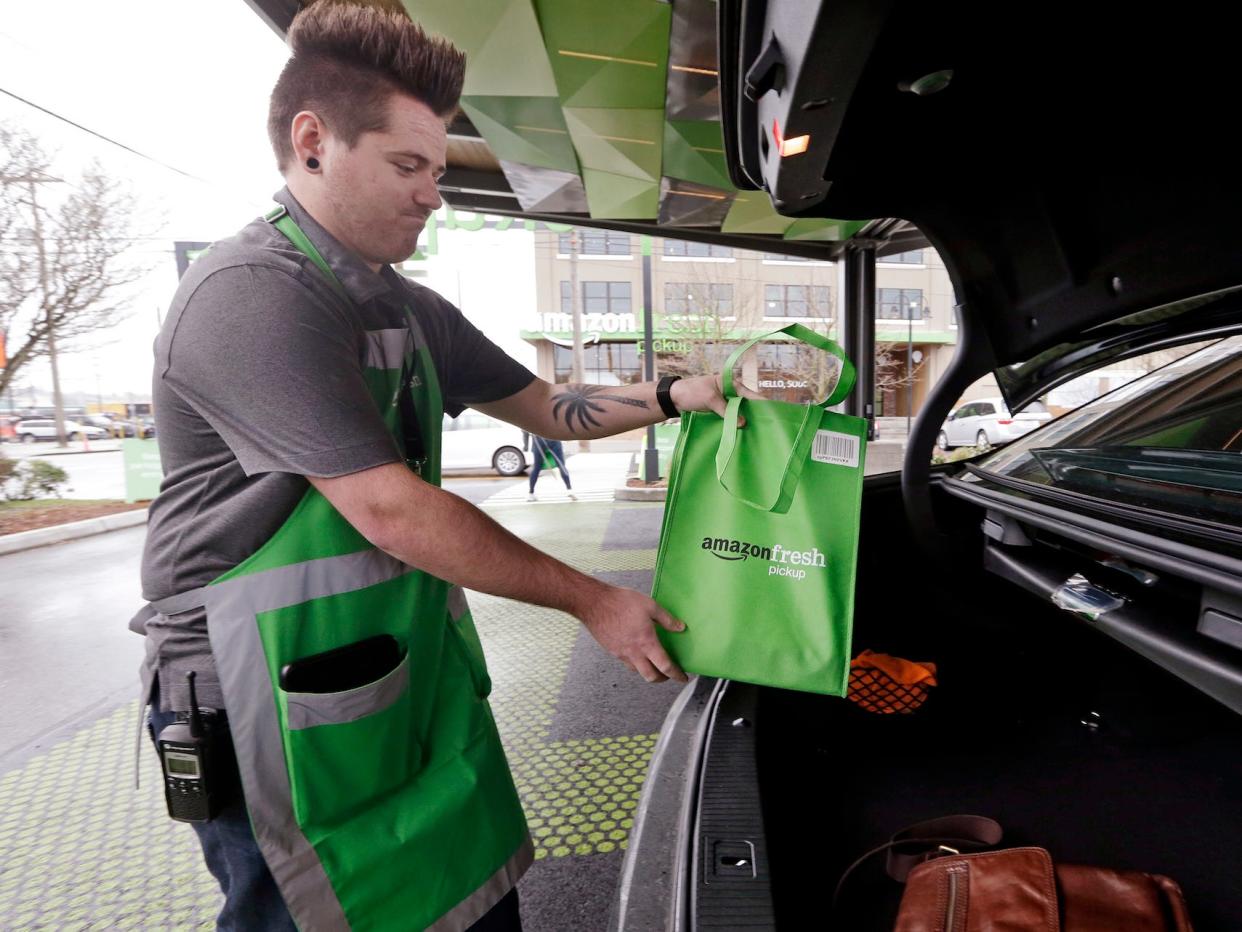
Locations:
column 548, row 454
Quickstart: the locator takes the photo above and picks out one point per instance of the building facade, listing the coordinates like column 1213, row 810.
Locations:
column 707, row 298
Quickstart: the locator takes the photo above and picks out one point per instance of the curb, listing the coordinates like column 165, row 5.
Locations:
column 58, row 452
column 625, row 493
column 58, row 534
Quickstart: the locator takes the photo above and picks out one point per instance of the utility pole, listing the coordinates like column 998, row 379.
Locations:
column 57, row 401
column 575, row 309
column 909, row 363
column 651, row 458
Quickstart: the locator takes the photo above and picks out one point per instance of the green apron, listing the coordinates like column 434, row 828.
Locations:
column 389, row 806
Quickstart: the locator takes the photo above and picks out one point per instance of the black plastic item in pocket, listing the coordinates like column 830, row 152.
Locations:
column 342, row 668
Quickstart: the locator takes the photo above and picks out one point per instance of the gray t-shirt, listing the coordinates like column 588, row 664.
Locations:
column 259, row 383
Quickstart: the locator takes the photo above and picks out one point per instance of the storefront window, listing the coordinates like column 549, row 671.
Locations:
column 795, row 372
column 698, row 298
column 599, row 298
column 679, row 247
column 797, row 301
column 602, row 363
column 900, row 304
column 595, row 243
column 913, row 257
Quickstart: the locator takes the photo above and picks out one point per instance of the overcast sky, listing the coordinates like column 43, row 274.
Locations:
column 185, row 83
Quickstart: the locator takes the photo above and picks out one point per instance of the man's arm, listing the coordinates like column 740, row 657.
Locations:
column 438, row 532
column 584, row 412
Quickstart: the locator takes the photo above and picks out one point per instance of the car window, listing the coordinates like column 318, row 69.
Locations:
column 986, row 408
column 1171, row 441
column 968, row 410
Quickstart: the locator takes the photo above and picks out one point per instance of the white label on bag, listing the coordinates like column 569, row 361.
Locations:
column 834, row 448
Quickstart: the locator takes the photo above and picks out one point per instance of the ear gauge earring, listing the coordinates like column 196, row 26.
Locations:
column 312, row 163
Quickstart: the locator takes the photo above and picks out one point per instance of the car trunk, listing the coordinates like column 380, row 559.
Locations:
column 1070, row 740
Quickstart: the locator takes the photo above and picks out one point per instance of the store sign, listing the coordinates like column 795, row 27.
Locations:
column 143, row 471
column 664, row 346
column 602, row 323
column 429, row 242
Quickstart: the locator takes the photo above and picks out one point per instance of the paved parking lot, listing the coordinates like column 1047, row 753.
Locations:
column 81, row 849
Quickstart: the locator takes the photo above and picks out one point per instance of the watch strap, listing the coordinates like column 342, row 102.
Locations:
column 664, row 395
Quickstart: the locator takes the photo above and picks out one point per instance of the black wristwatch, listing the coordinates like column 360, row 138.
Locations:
column 664, row 395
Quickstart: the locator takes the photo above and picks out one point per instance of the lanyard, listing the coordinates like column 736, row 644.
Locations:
column 411, row 432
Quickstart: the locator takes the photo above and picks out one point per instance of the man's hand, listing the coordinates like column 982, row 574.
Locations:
column 698, row 393
column 704, row 393
column 621, row 621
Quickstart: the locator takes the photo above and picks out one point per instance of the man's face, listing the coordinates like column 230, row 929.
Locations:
column 382, row 191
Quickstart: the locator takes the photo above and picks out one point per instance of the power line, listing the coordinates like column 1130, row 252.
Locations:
column 110, row 140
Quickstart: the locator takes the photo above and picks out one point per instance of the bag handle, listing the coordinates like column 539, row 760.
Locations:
column 781, row 501
column 845, row 381
column 924, row 841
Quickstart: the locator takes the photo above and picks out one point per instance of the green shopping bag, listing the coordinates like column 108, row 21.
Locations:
column 549, row 461
column 759, row 544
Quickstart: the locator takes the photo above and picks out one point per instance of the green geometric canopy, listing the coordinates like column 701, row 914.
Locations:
column 609, row 109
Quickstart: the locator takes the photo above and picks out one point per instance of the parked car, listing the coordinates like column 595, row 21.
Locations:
column 109, row 425
column 988, row 423
column 476, row 441
column 30, row 431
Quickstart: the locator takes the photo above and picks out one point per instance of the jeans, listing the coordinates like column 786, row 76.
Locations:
column 252, row 902
column 558, row 453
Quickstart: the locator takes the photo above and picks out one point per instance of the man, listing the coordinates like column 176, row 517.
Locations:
column 301, row 560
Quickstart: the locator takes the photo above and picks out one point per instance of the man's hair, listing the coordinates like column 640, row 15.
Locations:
column 348, row 59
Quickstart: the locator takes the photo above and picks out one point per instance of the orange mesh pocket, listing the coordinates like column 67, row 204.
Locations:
column 886, row 685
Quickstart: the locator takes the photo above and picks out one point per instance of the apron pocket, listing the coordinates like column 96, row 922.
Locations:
column 346, row 749
column 305, row 710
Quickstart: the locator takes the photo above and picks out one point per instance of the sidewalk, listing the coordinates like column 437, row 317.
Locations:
column 23, row 451
column 81, row 849
column 595, row 476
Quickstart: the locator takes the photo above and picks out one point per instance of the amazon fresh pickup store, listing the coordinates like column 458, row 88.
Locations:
column 514, row 280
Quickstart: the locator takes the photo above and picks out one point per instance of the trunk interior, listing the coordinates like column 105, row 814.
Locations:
column 1152, row 783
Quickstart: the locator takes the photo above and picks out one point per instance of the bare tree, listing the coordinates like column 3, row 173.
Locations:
column 699, row 316
column 63, row 269
column 890, row 367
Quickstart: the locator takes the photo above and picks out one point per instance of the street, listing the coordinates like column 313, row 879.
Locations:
column 80, row 848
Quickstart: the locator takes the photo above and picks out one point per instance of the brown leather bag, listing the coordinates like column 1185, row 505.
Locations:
column 1019, row 889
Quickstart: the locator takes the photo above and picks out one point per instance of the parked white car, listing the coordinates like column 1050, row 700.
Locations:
column 476, row 441
column 45, row 429
column 986, row 422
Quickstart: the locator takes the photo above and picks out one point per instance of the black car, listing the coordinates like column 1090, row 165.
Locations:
column 1081, row 590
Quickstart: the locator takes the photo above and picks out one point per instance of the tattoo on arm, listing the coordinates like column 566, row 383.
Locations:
column 583, row 402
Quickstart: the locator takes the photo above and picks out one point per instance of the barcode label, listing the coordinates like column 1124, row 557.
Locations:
column 838, row 449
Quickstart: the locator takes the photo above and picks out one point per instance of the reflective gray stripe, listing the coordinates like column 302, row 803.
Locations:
column 457, row 605
column 305, row 710
column 238, row 649
column 173, row 605
column 386, row 349
column 475, row 906
column 181, row 602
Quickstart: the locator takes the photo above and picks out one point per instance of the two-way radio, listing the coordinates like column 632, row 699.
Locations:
column 198, row 762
